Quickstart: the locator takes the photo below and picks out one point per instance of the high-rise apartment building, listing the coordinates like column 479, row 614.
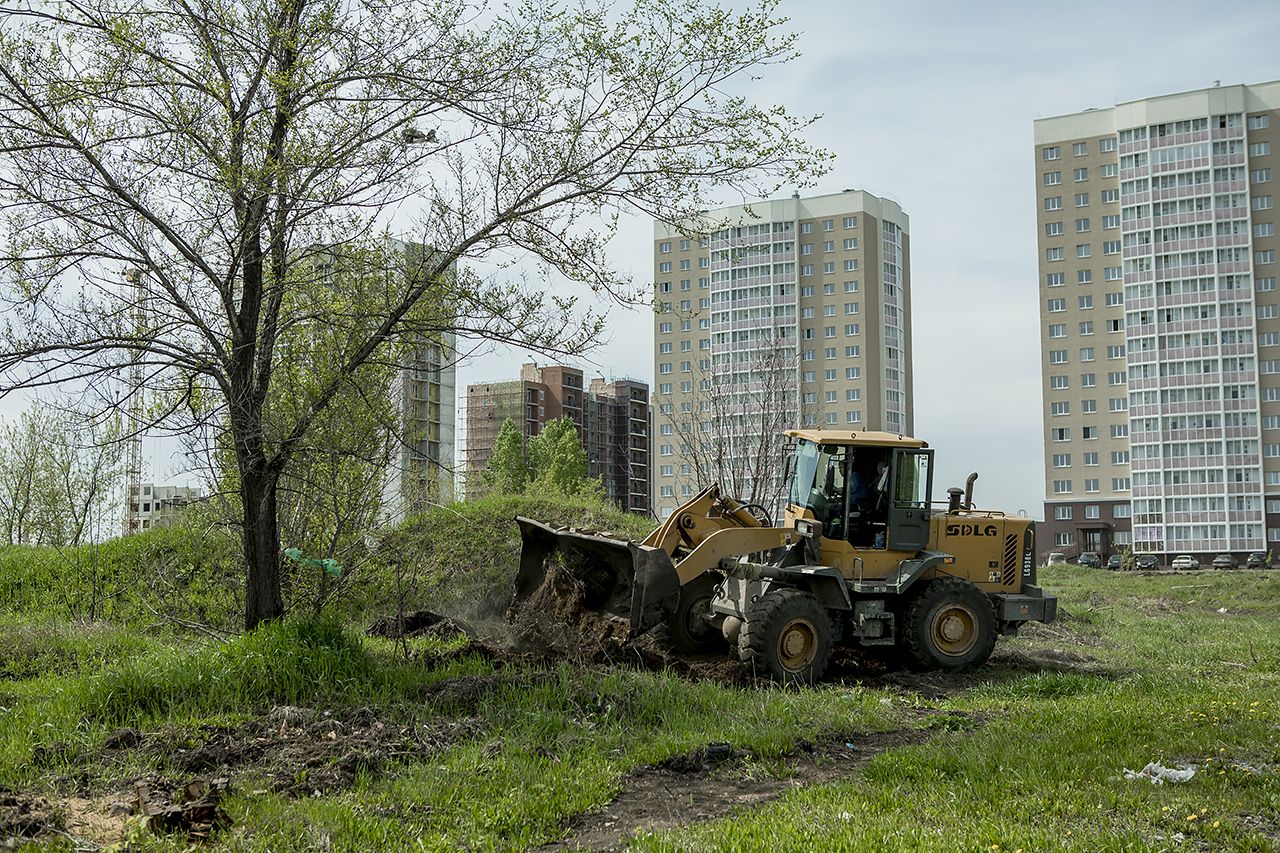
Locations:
column 776, row 315
column 1159, row 322
column 612, row 419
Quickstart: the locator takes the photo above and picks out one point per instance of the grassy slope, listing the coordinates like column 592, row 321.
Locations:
column 1176, row 680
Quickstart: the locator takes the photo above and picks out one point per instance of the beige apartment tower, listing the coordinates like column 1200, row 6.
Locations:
column 1156, row 231
column 769, row 317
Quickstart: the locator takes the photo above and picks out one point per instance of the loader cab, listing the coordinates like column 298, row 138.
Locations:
column 870, row 491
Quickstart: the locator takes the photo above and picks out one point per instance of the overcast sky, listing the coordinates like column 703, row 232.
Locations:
column 932, row 104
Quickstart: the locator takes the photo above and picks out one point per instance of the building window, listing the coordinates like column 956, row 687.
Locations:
column 1089, row 433
column 1079, row 149
column 1259, row 149
column 1091, row 459
column 1262, row 202
column 1080, row 174
column 1090, row 407
column 1108, row 170
column 1092, row 511
column 1060, row 434
column 851, row 265
column 828, row 225
column 1052, row 152
column 664, row 247
column 1062, row 513
column 1259, row 176
column 1062, row 487
column 1086, row 354
column 1111, row 221
column 1053, row 203
column 1052, row 178
column 806, row 227
column 1257, row 122
column 1119, row 484
column 1057, row 330
column 1265, row 284
column 1109, row 197
column 1107, row 144
column 1267, row 256
column 1056, row 305
column 1111, row 247
column 665, row 266
column 1055, row 279
column 1062, row 460
column 1082, row 199
column 1084, row 276
column 1052, row 229
column 851, row 222
column 1060, row 408
column 1082, row 225
column 1064, row 540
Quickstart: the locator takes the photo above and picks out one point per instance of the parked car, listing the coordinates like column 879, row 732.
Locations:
column 1185, row 561
column 1224, row 561
column 1258, row 560
column 1146, row 562
column 1057, row 558
column 1090, row 559
column 1113, row 562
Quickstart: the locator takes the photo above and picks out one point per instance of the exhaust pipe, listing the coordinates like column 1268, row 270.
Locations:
column 968, row 490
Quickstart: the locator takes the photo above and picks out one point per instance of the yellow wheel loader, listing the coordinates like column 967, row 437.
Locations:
column 863, row 556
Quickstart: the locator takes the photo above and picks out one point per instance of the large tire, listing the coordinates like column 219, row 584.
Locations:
column 691, row 633
column 787, row 637
column 950, row 625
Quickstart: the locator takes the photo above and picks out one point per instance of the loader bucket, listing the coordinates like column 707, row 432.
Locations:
column 631, row 581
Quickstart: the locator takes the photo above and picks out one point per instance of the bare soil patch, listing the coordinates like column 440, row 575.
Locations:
column 711, row 782
column 301, row 751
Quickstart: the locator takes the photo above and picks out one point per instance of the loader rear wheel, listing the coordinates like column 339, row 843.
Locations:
column 787, row 636
column 950, row 625
column 691, row 632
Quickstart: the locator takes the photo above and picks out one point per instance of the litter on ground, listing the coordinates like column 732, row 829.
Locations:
column 1158, row 774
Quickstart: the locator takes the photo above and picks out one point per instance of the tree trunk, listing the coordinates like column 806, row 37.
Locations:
column 263, row 602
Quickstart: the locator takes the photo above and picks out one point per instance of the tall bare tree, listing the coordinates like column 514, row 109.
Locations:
column 208, row 143
column 729, row 429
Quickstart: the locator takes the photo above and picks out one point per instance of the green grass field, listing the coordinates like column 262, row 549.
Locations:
column 451, row 749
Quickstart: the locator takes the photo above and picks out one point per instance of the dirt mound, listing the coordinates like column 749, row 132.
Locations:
column 420, row 623
column 555, row 621
column 301, row 750
column 24, row 817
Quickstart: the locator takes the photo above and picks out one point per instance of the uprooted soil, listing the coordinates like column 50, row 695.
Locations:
column 711, row 782
column 300, row 751
column 24, row 817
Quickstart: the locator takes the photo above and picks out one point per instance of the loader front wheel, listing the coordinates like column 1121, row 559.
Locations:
column 787, row 637
column 950, row 625
column 691, row 632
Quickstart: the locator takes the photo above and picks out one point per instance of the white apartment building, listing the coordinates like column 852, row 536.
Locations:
column 772, row 316
column 1160, row 330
